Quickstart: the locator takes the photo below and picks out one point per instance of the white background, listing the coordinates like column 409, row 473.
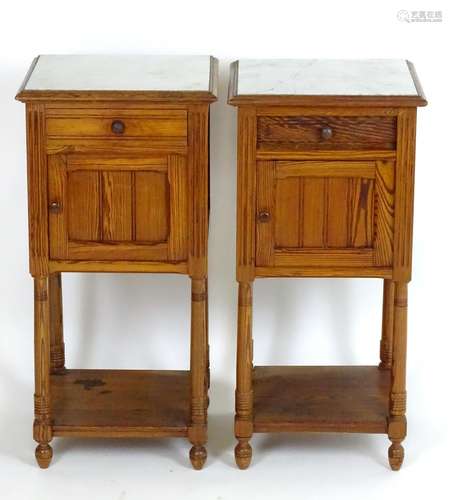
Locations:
column 139, row 321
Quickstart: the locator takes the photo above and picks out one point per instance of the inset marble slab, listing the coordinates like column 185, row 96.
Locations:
column 121, row 73
column 333, row 77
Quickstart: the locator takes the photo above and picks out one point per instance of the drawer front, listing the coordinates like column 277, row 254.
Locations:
column 113, row 209
column 161, row 126
column 325, row 213
column 326, row 132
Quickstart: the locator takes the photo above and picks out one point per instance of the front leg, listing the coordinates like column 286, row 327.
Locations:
column 42, row 428
column 197, row 433
column 397, row 419
column 244, row 388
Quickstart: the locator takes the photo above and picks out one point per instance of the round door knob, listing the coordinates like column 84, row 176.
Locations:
column 327, row 133
column 55, row 207
column 118, row 127
column 263, row 216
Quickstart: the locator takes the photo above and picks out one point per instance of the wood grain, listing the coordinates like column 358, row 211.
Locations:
column 320, row 398
column 87, row 125
column 384, row 213
column 37, row 190
column 42, row 426
column 198, row 182
column 119, row 208
column 397, row 421
column 151, row 197
column 265, row 230
column 117, row 215
column 120, row 403
column 84, row 206
column 244, row 384
column 327, row 206
column 314, row 212
column 57, row 358
column 197, row 432
column 246, row 193
column 178, row 209
column 387, row 331
column 404, row 194
column 354, row 132
column 288, row 221
column 336, row 226
column 330, row 271
column 112, row 266
column 360, row 218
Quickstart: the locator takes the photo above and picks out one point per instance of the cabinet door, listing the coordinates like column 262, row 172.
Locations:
column 325, row 213
column 118, row 208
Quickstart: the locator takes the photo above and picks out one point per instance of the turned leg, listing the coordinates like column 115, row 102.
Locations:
column 56, row 324
column 387, row 326
column 197, row 433
column 42, row 429
column 244, row 389
column 397, row 419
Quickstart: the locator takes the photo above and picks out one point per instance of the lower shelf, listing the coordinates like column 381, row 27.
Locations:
column 119, row 403
column 321, row 398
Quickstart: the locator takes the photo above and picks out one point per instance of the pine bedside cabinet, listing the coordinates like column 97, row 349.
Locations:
column 118, row 181
column 325, row 189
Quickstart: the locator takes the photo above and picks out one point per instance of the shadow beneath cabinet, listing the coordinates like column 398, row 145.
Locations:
column 309, row 444
column 175, row 450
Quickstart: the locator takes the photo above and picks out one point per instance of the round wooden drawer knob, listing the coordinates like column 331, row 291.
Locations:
column 263, row 216
column 118, row 127
column 327, row 133
column 54, row 207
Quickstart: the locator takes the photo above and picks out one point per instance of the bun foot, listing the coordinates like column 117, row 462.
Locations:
column 243, row 453
column 396, row 454
column 43, row 454
column 198, row 456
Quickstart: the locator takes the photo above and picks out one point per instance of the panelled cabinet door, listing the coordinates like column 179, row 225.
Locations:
column 325, row 213
column 104, row 208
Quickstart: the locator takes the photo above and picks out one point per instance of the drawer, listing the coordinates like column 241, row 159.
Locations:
column 326, row 132
column 162, row 126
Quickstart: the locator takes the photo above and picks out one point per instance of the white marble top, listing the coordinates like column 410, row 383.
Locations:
column 368, row 77
column 122, row 72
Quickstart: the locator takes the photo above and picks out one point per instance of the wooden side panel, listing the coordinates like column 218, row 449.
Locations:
column 198, row 181
column 404, row 194
column 117, row 206
column 246, row 193
column 314, row 213
column 83, row 206
column 37, row 190
column 151, row 206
